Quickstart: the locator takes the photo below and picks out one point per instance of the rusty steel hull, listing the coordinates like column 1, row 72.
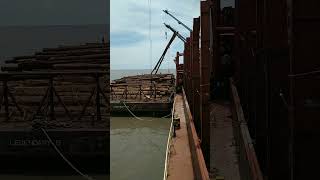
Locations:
column 274, row 45
column 141, row 108
column 29, row 149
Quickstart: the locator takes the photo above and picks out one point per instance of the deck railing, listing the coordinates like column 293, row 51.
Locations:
column 248, row 163
column 51, row 98
column 198, row 161
column 137, row 92
column 169, row 141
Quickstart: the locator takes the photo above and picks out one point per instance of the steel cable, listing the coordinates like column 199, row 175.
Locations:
column 132, row 112
column 64, row 158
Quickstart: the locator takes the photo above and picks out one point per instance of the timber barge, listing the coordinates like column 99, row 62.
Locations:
column 56, row 98
column 143, row 95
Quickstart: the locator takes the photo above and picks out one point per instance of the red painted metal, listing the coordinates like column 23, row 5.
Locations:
column 189, row 90
column 187, row 63
column 214, row 38
column 205, row 79
column 199, row 165
column 275, row 105
column 248, row 164
column 196, row 73
column 225, row 29
column 179, row 70
column 304, row 26
column 184, row 65
column 271, row 113
column 261, row 41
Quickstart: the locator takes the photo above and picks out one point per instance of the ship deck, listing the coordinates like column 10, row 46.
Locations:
column 185, row 159
column 223, row 155
column 180, row 162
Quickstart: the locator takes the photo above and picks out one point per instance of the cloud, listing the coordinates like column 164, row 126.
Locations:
column 126, row 38
column 53, row 12
column 130, row 19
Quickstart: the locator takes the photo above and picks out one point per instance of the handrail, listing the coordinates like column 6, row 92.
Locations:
column 50, row 94
column 248, row 163
column 137, row 93
column 165, row 175
column 199, row 164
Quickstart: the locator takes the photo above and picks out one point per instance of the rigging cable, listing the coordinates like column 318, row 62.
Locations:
column 64, row 158
column 150, row 38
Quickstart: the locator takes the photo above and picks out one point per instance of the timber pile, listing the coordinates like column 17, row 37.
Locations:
column 82, row 57
column 145, row 87
column 74, row 90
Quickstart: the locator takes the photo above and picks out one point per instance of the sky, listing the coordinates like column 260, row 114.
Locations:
column 36, row 24
column 53, row 12
column 129, row 31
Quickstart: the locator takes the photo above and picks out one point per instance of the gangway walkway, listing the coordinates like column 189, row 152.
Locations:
column 224, row 161
column 180, row 163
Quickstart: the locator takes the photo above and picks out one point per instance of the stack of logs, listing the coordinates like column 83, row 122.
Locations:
column 73, row 90
column 137, row 88
column 83, row 57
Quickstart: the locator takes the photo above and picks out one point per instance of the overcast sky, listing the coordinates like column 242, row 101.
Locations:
column 53, row 12
column 27, row 21
column 130, row 47
column 129, row 27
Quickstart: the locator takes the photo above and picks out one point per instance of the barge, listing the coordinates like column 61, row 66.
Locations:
column 143, row 95
column 55, row 109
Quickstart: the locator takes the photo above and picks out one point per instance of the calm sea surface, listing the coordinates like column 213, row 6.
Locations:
column 138, row 148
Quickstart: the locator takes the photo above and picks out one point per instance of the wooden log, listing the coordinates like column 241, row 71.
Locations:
column 23, row 57
column 67, row 100
column 81, row 66
column 30, row 92
column 94, row 56
column 11, row 68
column 73, row 52
column 65, row 48
column 11, row 61
column 90, row 61
column 34, row 65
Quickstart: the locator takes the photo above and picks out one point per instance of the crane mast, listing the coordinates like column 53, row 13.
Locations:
column 174, row 31
column 156, row 68
column 179, row 22
column 175, row 34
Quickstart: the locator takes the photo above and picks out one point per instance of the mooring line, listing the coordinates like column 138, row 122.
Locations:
column 133, row 113
column 167, row 116
column 64, row 158
column 169, row 142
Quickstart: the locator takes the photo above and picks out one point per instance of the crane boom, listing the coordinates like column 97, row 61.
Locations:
column 174, row 31
column 156, row 68
column 179, row 22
